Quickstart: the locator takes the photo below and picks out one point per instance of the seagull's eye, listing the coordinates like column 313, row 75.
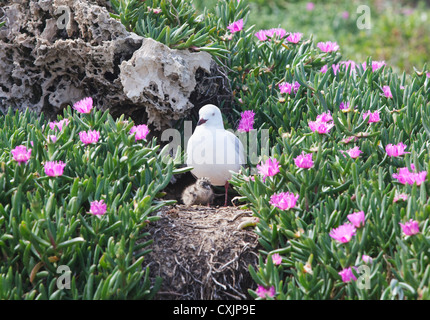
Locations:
column 213, row 113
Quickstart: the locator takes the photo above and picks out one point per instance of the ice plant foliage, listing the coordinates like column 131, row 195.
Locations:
column 284, row 200
column 141, row 131
column 410, row 228
column 328, row 46
column 92, row 136
column 84, row 106
column 54, row 168
column 247, row 121
column 343, row 233
column 98, row 208
column 396, row 150
column 268, row 168
column 21, row 154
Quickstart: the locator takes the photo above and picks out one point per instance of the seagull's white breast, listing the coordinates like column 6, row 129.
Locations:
column 214, row 152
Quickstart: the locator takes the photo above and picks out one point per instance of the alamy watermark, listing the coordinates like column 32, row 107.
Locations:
column 63, row 21
column 63, row 281
column 363, row 281
column 364, row 20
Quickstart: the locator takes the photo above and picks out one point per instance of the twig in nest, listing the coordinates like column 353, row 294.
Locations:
column 187, row 271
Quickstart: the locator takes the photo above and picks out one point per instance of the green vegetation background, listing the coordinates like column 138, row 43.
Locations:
column 399, row 32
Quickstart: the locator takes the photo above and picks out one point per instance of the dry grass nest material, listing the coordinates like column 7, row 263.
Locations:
column 202, row 254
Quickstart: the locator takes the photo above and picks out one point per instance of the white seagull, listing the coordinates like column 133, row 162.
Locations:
column 212, row 151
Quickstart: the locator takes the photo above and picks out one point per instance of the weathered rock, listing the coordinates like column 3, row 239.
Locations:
column 54, row 53
column 162, row 79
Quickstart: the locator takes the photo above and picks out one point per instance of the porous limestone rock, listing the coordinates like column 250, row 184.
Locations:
column 56, row 52
column 162, row 79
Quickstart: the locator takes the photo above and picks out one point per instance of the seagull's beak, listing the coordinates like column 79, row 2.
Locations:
column 201, row 121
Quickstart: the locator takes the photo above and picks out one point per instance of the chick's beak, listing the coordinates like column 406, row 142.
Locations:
column 201, row 121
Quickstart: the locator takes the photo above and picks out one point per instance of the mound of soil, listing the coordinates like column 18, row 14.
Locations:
column 201, row 254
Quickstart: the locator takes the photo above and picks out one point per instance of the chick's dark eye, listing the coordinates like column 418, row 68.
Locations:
column 213, row 113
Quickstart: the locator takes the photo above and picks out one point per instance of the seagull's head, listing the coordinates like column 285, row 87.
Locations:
column 210, row 116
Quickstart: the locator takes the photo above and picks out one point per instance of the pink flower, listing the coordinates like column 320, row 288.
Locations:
column 261, row 35
column 335, row 68
column 320, row 127
column 141, row 131
column 347, row 275
column 98, row 208
column 52, row 138
column 396, row 150
column 344, row 106
column 404, row 176
column 375, row 65
column 367, row 259
column 428, row 74
column 387, row 91
column 54, row 168
column 247, row 121
column 324, row 117
column 262, row 292
column 310, row 6
column 21, row 154
column 373, row 116
column 276, row 32
column 304, row 161
column 284, row 200
column 235, row 26
column 343, row 233
column 251, row 178
column 324, row 69
column 410, row 228
column 286, row 87
column 347, row 64
column 59, row 125
column 328, row 46
column 345, row 15
column 268, row 168
column 401, row 196
column 92, row 136
column 357, row 219
column 84, row 106
column 294, row 37
column 354, row 152
column 277, row 259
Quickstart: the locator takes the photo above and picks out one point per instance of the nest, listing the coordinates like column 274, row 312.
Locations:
column 201, row 254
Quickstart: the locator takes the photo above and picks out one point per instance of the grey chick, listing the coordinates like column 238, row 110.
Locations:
column 198, row 193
